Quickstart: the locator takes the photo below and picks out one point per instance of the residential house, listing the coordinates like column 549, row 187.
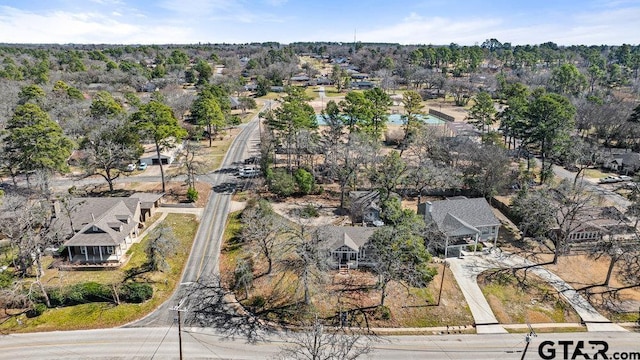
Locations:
column 592, row 224
column 625, row 163
column 365, row 207
column 102, row 228
column 346, row 245
column 361, row 85
column 464, row 222
column 167, row 154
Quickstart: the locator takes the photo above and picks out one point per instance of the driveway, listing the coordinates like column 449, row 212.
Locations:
column 466, row 271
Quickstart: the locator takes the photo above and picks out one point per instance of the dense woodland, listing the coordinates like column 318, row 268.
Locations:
column 566, row 105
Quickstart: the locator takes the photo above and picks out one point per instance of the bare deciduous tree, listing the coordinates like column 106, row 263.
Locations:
column 261, row 228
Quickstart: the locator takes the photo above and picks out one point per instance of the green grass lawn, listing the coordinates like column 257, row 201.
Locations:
column 100, row 315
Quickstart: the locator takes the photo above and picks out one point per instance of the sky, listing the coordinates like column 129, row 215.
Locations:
column 437, row 22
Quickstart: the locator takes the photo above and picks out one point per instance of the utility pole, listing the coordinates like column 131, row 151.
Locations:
column 179, row 319
column 444, row 268
column 527, row 339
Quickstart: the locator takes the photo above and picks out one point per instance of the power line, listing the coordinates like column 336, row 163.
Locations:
column 161, row 341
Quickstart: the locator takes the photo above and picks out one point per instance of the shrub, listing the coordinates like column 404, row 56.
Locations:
column 304, row 181
column 383, row 313
column 56, row 297
column 6, row 279
column 256, row 302
column 477, row 247
column 88, row 292
column 282, row 183
column 192, row 194
column 308, row 211
column 36, row 310
column 135, row 292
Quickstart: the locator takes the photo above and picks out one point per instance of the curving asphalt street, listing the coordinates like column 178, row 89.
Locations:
column 203, row 259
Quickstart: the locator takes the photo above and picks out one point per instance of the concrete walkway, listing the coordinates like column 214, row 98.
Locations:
column 466, row 272
column 589, row 315
column 181, row 210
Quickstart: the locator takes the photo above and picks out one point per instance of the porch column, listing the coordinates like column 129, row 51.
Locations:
column 69, row 251
column 86, row 253
column 475, row 247
column 446, row 247
column 100, row 250
column 495, row 239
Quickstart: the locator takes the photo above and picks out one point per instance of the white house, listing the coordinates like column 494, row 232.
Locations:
column 346, row 245
column 103, row 229
column 465, row 222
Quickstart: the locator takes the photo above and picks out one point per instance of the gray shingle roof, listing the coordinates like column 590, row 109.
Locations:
column 352, row 236
column 453, row 214
column 94, row 220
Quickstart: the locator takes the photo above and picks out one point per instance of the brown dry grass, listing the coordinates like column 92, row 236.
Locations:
column 410, row 307
column 581, row 271
column 538, row 302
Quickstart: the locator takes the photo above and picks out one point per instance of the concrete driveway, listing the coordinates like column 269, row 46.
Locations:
column 467, row 269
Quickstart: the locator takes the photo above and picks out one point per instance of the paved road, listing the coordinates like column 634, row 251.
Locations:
column 203, row 260
column 619, row 201
column 162, row 343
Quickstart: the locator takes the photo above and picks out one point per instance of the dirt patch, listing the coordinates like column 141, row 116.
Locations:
column 325, row 206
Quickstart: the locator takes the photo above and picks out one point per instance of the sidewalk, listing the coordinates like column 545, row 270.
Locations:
column 466, row 271
column 589, row 315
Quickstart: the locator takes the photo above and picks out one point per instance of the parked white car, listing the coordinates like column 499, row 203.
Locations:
column 248, row 172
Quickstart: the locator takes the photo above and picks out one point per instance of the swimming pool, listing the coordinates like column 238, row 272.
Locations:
column 396, row 119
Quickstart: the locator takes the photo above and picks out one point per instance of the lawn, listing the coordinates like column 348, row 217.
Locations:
column 514, row 302
column 596, row 174
column 100, row 315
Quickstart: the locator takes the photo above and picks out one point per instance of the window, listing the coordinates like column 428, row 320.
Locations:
column 109, row 250
column 83, row 250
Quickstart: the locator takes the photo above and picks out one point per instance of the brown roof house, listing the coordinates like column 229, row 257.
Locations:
column 463, row 221
column 346, row 245
column 102, row 228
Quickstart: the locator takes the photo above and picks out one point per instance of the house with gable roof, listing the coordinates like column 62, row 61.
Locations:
column 364, row 207
column 464, row 222
column 346, row 245
column 102, row 228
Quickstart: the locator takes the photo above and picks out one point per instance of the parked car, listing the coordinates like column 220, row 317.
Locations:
column 248, row 172
column 142, row 166
column 610, row 180
column 131, row 167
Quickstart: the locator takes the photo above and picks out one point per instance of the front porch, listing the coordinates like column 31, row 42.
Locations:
column 98, row 256
column 454, row 245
